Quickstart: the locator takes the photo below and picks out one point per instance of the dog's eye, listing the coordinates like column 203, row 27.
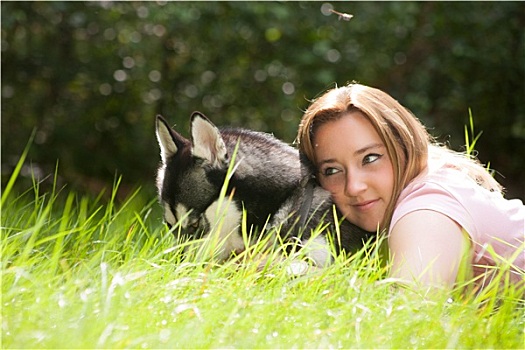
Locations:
column 195, row 225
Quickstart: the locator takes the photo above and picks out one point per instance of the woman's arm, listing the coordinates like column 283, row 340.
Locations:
column 427, row 247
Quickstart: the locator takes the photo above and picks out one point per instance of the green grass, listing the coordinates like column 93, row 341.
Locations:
column 80, row 272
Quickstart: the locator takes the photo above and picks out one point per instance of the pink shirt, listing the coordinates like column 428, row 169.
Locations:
column 494, row 224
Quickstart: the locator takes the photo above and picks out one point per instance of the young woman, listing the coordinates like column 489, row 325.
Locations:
column 440, row 209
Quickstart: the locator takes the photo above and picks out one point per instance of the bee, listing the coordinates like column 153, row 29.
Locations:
column 343, row 16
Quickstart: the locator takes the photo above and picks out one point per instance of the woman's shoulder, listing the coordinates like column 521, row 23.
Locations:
column 450, row 191
column 449, row 183
column 438, row 181
column 442, row 189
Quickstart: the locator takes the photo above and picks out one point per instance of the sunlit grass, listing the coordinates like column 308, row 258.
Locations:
column 78, row 273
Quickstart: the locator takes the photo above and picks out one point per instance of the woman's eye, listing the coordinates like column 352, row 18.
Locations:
column 370, row 158
column 330, row 171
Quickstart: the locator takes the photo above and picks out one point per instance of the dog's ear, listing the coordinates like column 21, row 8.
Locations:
column 207, row 141
column 169, row 140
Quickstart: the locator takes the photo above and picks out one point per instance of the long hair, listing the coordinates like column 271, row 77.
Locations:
column 407, row 141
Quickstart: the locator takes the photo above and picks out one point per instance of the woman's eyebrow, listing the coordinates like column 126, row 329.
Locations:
column 326, row 161
column 356, row 153
column 368, row 148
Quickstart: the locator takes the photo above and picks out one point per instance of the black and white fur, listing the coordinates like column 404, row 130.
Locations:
column 267, row 182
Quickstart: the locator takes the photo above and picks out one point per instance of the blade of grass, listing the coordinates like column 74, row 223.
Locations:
column 470, row 139
column 17, row 169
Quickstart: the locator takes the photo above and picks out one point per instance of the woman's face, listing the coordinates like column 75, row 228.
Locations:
column 353, row 164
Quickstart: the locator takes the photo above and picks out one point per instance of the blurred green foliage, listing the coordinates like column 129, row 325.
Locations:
column 91, row 76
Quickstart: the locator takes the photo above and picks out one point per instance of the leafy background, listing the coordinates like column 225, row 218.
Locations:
column 89, row 77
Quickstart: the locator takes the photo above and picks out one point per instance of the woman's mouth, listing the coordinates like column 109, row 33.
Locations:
column 365, row 205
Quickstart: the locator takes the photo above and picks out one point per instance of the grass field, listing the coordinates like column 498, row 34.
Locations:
column 80, row 272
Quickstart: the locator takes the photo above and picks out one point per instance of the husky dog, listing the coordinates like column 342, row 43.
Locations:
column 265, row 182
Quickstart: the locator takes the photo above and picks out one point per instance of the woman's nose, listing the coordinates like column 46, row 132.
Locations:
column 355, row 184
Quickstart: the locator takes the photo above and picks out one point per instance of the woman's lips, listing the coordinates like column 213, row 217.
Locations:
column 366, row 205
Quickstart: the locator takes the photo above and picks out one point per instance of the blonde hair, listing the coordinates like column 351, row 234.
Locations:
column 407, row 141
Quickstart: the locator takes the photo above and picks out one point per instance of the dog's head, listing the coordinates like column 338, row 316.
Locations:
column 190, row 176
